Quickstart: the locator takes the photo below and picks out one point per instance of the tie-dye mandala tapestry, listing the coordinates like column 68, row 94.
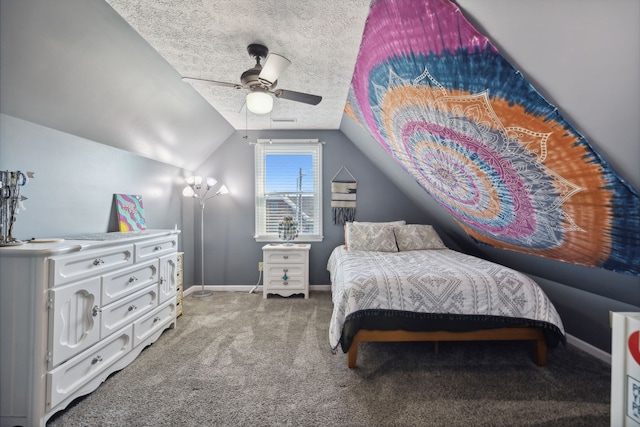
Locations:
column 437, row 95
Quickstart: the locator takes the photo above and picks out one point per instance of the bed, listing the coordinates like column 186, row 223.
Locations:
column 399, row 282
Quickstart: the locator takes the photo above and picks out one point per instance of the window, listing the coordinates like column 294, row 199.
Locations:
column 288, row 183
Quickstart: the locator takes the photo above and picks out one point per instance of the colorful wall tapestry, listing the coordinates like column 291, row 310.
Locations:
column 479, row 138
column 130, row 212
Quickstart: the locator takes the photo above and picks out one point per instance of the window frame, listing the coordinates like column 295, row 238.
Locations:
column 262, row 149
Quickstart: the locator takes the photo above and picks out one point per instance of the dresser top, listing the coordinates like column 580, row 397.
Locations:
column 82, row 242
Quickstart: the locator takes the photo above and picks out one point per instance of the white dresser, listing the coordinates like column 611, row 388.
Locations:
column 286, row 269
column 72, row 312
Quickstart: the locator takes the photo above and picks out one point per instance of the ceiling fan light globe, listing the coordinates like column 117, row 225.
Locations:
column 259, row 102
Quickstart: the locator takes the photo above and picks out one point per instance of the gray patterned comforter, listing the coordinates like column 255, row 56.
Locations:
column 431, row 281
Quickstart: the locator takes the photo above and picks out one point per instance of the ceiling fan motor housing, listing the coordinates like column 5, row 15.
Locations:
column 249, row 78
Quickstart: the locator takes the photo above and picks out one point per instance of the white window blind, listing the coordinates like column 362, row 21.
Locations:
column 288, row 183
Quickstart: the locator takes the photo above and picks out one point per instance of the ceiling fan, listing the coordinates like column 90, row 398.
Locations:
column 260, row 81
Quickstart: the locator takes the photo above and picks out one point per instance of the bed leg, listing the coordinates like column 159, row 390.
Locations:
column 352, row 355
column 436, row 347
column 540, row 352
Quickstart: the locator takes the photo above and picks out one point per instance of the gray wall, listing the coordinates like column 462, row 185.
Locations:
column 75, row 180
column 231, row 252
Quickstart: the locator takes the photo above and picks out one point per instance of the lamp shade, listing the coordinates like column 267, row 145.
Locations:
column 259, row 102
column 188, row 192
column 273, row 67
column 223, row 190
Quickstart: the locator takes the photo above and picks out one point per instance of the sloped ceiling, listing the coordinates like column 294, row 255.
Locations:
column 208, row 39
column 78, row 67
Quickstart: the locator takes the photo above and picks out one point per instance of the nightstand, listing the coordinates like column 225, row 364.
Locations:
column 286, row 269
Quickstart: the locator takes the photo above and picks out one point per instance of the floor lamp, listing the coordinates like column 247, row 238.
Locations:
column 196, row 190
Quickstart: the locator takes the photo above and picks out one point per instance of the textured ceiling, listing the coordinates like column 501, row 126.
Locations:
column 208, row 39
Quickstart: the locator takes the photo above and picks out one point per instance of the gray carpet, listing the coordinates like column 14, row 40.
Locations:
column 236, row 359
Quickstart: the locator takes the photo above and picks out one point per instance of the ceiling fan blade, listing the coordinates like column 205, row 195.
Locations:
column 213, row 82
column 273, row 67
column 298, row 96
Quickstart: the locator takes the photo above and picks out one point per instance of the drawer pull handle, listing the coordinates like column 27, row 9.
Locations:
column 156, row 319
column 95, row 310
column 98, row 261
column 133, row 279
column 285, row 282
column 132, row 307
column 157, row 248
column 284, row 276
column 285, row 256
column 161, row 281
column 96, row 359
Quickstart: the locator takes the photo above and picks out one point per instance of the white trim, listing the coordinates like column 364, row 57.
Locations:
column 300, row 239
column 589, row 349
column 285, row 147
column 289, row 141
column 244, row 288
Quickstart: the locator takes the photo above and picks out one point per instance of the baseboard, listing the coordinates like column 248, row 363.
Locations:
column 588, row 348
column 571, row 340
column 244, row 288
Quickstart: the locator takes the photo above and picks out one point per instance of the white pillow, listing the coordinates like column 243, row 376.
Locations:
column 371, row 237
column 380, row 224
column 414, row 237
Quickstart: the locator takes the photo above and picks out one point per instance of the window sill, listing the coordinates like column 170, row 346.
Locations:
column 300, row 239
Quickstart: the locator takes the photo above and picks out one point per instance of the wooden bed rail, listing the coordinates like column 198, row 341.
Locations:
column 503, row 334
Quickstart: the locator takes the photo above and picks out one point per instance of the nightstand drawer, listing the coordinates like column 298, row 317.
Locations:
column 279, row 270
column 292, row 283
column 285, row 257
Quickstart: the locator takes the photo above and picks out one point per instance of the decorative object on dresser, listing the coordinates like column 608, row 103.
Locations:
column 287, row 230
column 286, row 269
column 179, row 283
column 196, row 190
column 130, row 212
column 11, row 203
column 74, row 311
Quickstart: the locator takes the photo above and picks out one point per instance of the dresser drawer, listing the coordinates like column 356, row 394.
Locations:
column 285, row 256
column 127, row 309
column 67, row 268
column 125, row 282
column 155, row 248
column 72, row 375
column 147, row 325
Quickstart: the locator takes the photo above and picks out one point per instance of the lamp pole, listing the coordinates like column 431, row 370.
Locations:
column 195, row 190
column 202, row 293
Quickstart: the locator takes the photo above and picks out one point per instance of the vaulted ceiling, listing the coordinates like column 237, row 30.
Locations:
column 110, row 70
column 209, row 39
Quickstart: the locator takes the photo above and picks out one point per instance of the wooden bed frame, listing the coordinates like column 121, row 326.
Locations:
column 503, row 334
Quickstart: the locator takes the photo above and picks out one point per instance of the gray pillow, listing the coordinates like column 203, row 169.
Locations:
column 371, row 237
column 381, row 224
column 414, row 237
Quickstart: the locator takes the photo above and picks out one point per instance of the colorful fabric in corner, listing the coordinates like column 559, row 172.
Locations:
column 481, row 140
